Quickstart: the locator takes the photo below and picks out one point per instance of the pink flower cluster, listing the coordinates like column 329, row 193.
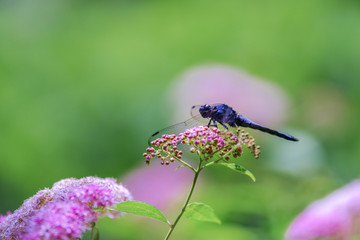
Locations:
column 60, row 220
column 2, row 217
column 337, row 216
column 63, row 212
column 205, row 141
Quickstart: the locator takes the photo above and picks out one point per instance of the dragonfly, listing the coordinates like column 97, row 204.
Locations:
column 214, row 114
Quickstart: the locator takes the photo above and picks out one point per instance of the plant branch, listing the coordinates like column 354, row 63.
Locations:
column 183, row 162
column 197, row 171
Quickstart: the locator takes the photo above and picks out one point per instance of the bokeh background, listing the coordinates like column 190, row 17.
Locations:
column 83, row 85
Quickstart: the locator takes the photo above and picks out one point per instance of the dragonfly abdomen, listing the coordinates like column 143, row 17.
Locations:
column 242, row 121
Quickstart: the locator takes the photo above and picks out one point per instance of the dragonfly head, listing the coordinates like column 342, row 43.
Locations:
column 206, row 110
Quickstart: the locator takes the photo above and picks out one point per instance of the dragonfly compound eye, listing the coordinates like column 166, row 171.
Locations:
column 205, row 110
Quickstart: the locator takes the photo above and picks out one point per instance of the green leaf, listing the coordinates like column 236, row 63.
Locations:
column 201, row 212
column 142, row 209
column 240, row 169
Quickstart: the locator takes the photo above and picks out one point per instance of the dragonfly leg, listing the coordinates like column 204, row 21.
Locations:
column 215, row 125
column 212, row 125
column 224, row 126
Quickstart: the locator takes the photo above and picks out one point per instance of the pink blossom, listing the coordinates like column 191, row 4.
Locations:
column 207, row 140
column 64, row 211
column 2, row 217
column 66, row 187
column 60, row 220
column 14, row 225
column 336, row 216
column 93, row 196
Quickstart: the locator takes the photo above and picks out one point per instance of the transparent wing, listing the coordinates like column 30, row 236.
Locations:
column 175, row 129
column 195, row 114
column 195, row 110
column 195, row 120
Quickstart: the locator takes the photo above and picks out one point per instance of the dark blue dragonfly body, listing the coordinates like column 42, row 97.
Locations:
column 223, row 114
column 211, row 115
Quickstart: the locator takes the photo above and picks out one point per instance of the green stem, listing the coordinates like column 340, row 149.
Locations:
column 92, row 231
column 186, row 202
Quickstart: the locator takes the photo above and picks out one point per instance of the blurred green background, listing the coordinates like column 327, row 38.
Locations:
column 83, row 85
